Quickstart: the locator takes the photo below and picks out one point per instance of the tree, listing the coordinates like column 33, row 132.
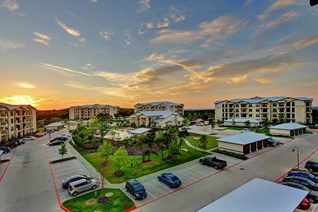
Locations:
column 247, row 123
column 266, row 123
column 63, row 150
column 185, row 122
column 203, row 141
column 106, row 149
column 120, row 158
column 159, row 141
column 233, row 122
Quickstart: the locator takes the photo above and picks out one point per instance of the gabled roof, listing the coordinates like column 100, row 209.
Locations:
column 288, row 126
column 160, row 103
column 259, row 195
column 258, row 99
column 244, row 138
column 15, row 107
column 243, row 120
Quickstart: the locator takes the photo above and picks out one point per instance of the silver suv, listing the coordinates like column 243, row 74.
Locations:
column 81, row 185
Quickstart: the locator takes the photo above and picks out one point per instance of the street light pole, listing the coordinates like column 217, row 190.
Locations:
column 297, row 155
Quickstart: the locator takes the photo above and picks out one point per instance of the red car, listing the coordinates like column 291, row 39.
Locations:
column 304, row 205
column 38, row 135
column 11, row 144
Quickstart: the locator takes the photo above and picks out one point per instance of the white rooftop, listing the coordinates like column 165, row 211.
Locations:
column 162, row 114
column 55, row 124
column 288, row 126
column 139, row 130
column 258, row 195
column 244, row 138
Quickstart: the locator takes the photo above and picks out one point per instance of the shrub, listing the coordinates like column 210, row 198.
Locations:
column 232, row 154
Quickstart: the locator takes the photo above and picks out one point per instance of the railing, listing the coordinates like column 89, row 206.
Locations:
column 3, row 132
column 3, row 123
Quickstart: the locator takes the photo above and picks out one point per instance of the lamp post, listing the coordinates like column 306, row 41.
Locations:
column 297, row 155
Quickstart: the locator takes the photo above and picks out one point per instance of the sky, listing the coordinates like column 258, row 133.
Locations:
column 57, row 54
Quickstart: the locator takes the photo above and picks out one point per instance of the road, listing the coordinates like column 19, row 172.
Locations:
column 269, row 166
column 27, row 184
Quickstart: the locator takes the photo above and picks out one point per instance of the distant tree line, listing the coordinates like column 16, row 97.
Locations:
column 199, row 114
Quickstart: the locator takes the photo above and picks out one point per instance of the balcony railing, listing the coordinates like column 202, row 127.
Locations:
column 3, row 123
column 3, row 132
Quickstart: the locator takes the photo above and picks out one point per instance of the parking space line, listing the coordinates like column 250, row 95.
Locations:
column 161, row 185
column 5, row 170
column 198, row 171
column 186, row 175
column 151, row 195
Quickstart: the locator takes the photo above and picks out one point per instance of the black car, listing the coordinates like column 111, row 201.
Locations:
column 62, row 138
column 67, row 181
column 136, row 189
column 5, row 149
column 214, row 162
column 56, row 142
column 311, row 166
column 302, row 181
column 312, row 196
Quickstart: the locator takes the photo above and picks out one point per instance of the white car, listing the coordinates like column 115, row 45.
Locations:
column 65, row 135
column 28, row 138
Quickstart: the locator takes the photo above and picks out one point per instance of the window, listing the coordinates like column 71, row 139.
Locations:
column 257, row 110
column 250, row 110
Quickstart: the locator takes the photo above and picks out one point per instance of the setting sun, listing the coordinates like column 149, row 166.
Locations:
column 21, row 100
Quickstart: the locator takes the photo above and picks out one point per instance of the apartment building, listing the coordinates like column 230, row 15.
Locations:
column 86, row 112
column 159, row 106
column 16, row 121
column 275, row 109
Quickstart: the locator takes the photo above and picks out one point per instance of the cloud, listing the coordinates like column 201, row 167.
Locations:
column 165, row 23
column 41, row 38
column 286, row 17
column 65, row 69
column 25, row 85
column 88, row 66
column 264, row 81
column 176, row 14
column 106, row 34
column 72, row 32
column 10, row 5
column 144, row 5
column 217, row 29
column 8, row 44
column 302, row 43
column 128, row 36
column 22, row 100
column 248, row 2
column 93, row 1
column 155, row 56
column 277, row 4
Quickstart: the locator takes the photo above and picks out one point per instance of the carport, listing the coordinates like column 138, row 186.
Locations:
column 55, row 126
column 288, row 129
column 244, row 143
column 258, row 195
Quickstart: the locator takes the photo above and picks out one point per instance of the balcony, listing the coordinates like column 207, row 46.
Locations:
column 2, row 115
column 3, row 123
column 3, row 132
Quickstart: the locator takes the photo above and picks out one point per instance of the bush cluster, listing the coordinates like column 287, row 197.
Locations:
column 232, row 154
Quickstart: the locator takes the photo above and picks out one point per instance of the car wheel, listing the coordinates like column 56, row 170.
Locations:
column 94, row 187
column 201, row 162
column 159, row 178
column 215, row 167
column 75, row 194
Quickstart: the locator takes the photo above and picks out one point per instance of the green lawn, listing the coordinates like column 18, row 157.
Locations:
column 139, row 168
column 257, row 130
column 115, row 202
column 212, row 142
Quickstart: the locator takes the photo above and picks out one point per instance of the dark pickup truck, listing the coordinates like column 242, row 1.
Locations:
column 214, row 162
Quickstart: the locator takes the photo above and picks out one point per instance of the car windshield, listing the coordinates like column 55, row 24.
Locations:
column 311, row 175
column 311, row 182
column 174, row 178
column 138, row 187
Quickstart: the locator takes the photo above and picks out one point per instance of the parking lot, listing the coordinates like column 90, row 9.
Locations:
column 188, row 173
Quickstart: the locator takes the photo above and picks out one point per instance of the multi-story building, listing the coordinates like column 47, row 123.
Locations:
column 274, row 109
column 16, row 121
column 85, row 112
column 159, row 106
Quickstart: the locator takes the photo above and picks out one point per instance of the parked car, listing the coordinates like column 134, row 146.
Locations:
column 214, row 162
column 5, row 149
column 67, row 181
column 312, row 196
column 303, row 181
column 304, row 174
column 59, row 138
column 311, row 166
column 304, row 205
column 11, row 144
column 170, row 179
column 29, row 138
column 82, row 185
column 136, row 189
column 65, row 135
column 39, row 135
column 56, row 142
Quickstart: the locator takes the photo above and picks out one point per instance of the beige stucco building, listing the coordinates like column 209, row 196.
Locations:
column 159, row 106
column 288, row 129
column 159, row 119
column 85, row 112
column 274, row 109
column 16, row 121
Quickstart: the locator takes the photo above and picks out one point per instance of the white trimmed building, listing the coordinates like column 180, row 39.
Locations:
column 159, row 106
column 288, row 129
column 243, row 143
column 160, row 119
column 86, row 112
column 16, row 121
column 274, row 109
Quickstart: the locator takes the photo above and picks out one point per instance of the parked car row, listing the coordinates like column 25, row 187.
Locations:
column 138, row 191
column 59, row 140
column 79, row 183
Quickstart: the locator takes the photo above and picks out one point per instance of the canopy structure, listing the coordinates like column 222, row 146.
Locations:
column 258, row 195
